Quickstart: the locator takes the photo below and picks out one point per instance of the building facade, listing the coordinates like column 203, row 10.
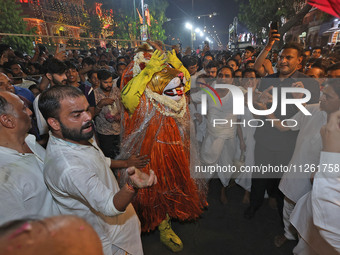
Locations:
column 55, row 18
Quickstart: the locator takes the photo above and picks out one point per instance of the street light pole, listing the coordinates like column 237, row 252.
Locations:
column 192, row 22
column 144, row 27
column 143, row 14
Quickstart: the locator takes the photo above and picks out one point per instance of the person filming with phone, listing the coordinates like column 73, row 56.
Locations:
column 273, row 147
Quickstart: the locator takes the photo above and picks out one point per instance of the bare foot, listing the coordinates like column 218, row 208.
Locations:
column 280, row 240
column 223, row 197
column 246, row 197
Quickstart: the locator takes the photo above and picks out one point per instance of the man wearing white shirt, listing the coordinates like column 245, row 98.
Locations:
column 79, row 175
column 316, row 214
column 23, row 192
column 326, row 191
column 296, row 183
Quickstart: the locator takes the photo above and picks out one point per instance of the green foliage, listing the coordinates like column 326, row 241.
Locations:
column 157, row 13
column 11, row 22
column 257, row 14
column 127, row 25
column 95, row 25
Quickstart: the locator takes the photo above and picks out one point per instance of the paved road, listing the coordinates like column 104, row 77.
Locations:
column 223, row 230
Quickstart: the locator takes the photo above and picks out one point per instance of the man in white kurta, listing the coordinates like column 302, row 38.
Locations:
column 316, row 215
column 218, row 147
column 23, row 193
column 79, row 175
column 307, row 151
column 83, row 184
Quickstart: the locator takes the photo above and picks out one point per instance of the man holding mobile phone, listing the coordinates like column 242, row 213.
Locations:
column 272, row 147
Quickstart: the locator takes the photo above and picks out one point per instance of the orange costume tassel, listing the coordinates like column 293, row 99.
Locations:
column 166, row 140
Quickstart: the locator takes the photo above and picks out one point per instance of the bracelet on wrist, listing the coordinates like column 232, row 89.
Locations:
column 130, row 186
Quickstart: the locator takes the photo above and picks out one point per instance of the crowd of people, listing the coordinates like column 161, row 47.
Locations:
column 61, row 129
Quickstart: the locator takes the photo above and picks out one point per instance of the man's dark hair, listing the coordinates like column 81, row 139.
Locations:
column 19, row 54
column 49, row 101
column 212, row 64
column 103, row 62
column 237, row 53
column 91, row 72
column 71, row 65
column 89, row 61
column 120, row 64
column 294, row 45
column 238, row 71
column 103, row 55
column 320, row 66
column 121, row 59
column 232, row 59
column 249, row 61
column 208, row 54
column 35, row 65
column 4, row 105
column 3, row 48
column 55, row 66
column 334, row 67
column 250, row 48
column 312, row 61
column 11, row 63
column 104, row 74
column 317, row 48
column 249, row 70
column 189, row 61
column 226, row 67
column 33, row 86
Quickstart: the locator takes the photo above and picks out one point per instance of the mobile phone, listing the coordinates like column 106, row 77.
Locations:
column 33, row 44
column 275, row 26
column 62, row 47
column 206, row 43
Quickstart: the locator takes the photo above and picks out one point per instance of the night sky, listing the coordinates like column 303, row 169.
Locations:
column 181, row 10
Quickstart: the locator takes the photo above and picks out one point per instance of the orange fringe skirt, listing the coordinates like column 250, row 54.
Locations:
column 166, row 141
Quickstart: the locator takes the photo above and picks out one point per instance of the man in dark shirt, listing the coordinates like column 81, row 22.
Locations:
column 72, row 80
column 273, row 147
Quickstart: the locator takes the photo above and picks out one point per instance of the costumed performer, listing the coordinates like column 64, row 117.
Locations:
column 156, row 123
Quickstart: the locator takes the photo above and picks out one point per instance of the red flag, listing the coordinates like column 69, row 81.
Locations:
column 140, row 17
column 330, row 6
column 147, row 16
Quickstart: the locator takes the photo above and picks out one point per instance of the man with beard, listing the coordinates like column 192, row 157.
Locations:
column 79, row 175
column 18, row 74
column 55, row 73
column 108, row 114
